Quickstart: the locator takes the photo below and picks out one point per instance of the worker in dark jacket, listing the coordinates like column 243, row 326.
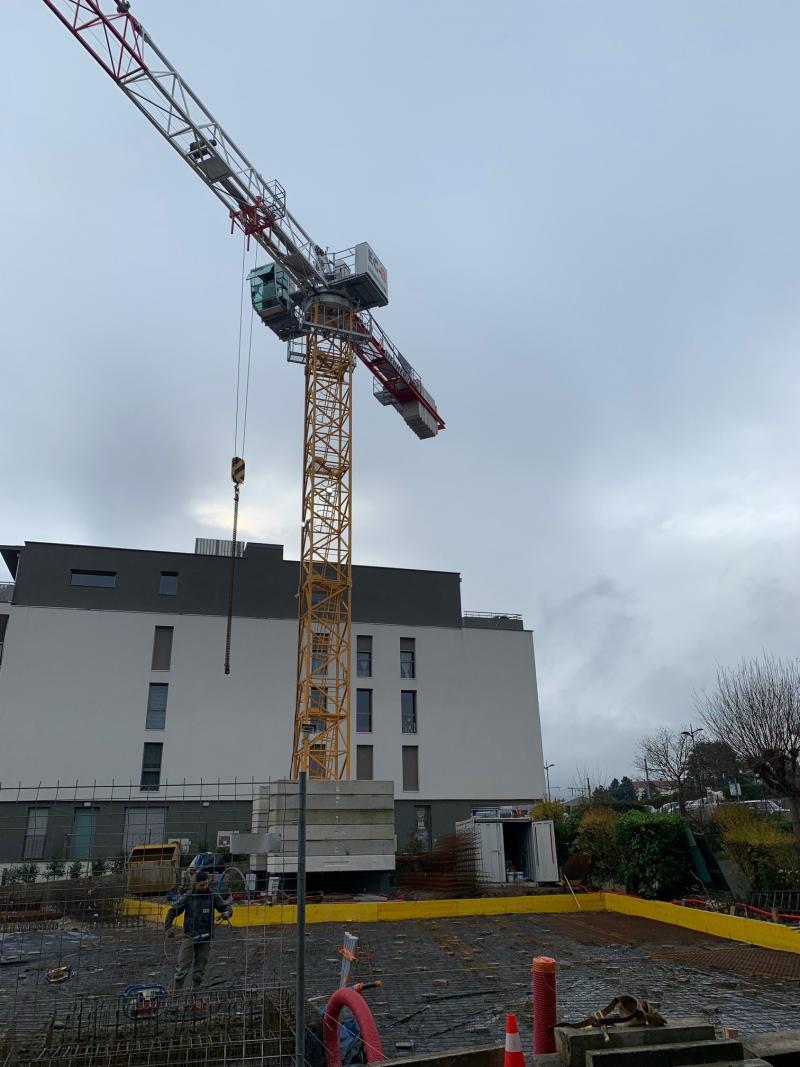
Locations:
column 197, row 907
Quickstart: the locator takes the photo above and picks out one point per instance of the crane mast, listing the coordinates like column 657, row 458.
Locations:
column 320, row 304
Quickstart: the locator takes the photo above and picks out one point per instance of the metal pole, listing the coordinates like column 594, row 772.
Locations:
column 300, row 992
column 547, row 767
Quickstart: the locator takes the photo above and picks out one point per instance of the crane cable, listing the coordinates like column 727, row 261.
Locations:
column 237, row 463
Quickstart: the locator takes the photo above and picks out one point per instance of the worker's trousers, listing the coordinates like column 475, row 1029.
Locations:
column 191, row 955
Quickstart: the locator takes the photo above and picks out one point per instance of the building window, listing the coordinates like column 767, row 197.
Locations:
column 422, row 833
column 162, row 648
column 35, row 834
column 408, row 664
column 410, row 768
column 364, row 711
column 95, row 579
column 319, row 654
column 364, row 763
column 168, row 583
column 144, row 826
column 316, row 761
column 408, row 707
column 156, row 706
column 364, row 657
column 151, row 765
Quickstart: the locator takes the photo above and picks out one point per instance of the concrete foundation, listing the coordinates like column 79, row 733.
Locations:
column 575, row 1045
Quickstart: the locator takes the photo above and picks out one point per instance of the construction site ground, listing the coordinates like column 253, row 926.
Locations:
column 445, row 982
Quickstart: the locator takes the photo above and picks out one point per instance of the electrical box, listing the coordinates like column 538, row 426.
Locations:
column 240, row 844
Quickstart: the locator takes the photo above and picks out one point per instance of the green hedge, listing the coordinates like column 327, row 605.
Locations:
column 654, row 858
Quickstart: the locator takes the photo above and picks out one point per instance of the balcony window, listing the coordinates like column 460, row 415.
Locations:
column 364, row 711
column 410, row 768
column 408, row 708
column 364, row 763
column 162, row 648
column 408, row 664
column 364, row 657
column 157, row 706
column 151, row 766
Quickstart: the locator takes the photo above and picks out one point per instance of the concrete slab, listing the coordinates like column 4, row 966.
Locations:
column 692, row 1054
column 573, row 1045
column 480, row 1056
column 781, row 1050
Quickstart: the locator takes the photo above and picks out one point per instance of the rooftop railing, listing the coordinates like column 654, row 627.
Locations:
column 491, row 615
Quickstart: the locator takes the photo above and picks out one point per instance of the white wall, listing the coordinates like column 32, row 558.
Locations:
column 74, row 684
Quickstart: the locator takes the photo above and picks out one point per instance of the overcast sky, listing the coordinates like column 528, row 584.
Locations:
column 589, row 213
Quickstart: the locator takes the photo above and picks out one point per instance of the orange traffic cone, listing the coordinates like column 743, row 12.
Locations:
column 513, row 1056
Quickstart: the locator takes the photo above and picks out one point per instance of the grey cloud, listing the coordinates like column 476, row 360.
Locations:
column 589, row 216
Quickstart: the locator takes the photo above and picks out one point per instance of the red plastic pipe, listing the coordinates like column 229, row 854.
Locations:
column 370, row 1038
column 691, row 901
column 543, row 971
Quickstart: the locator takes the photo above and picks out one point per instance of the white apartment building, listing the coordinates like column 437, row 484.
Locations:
column 111, row 670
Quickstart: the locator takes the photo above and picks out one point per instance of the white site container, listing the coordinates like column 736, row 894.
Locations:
column 529, row 847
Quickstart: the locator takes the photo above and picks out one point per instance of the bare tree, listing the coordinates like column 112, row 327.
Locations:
column 755, row 708
column 667, row 753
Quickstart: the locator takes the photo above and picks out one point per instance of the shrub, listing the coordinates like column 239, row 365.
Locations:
column 99, row 867
column 10, row 876
column 56, row 868
column 28, row 872
column 116, row 864
column 565, row 825
column 596, row 836
column 766, row 852
column 654, row 856
column 75, row 869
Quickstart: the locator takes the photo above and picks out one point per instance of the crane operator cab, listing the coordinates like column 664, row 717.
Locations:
column 269, row 292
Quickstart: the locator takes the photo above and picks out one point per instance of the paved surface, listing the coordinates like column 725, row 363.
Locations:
column 446, row 982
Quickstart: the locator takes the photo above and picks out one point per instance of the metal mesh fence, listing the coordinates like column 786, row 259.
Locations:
column 77, row 939
column 86, row 969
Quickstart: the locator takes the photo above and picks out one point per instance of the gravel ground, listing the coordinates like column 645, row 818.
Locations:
column 446, row 982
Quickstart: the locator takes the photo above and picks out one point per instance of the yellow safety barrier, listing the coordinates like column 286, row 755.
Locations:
column 257, row 914
column 731, row 927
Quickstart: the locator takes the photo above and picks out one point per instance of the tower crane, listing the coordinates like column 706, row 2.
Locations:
column 320, row 303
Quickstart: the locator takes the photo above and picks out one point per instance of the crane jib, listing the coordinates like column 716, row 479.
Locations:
column 121, row 46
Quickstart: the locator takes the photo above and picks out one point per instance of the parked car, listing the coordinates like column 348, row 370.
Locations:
column 765, row 807
column 670, row 808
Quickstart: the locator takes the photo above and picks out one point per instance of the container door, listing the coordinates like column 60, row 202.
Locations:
column 528, row 853
column 83, row 828
column 493, row 855
column 545, row 851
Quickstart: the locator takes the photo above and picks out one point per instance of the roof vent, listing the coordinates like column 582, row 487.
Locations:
column 210, row 546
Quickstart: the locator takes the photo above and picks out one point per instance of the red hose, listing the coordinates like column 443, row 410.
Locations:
column 544, row 1004
column 696, row 901
column 370, row 1038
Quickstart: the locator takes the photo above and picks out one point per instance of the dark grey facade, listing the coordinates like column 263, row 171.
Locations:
column 193, row 820
column 266, row 584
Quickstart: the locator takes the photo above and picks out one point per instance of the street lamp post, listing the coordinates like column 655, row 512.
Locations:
column 547, row 767
column 693, row 733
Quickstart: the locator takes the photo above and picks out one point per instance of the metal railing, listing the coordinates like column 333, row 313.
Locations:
column 491, row 615
column 6, row 592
